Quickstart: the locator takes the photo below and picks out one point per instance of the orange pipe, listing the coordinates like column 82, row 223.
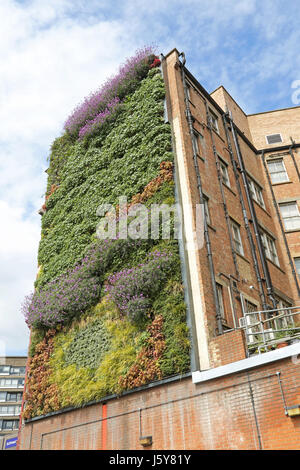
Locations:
column 104, row 426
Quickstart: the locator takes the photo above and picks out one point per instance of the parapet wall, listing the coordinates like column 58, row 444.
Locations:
column 243, row 411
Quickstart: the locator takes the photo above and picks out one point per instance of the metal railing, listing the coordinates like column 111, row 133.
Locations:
column 266, row 329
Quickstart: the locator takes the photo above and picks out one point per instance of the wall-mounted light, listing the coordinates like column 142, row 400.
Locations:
column 146, row 441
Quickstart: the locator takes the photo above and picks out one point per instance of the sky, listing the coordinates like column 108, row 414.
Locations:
column 54, row 53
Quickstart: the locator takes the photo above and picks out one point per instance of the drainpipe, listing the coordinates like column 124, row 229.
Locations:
column 293, row 157
column 199, row 186
column 246, row 220
column 222, row 190
column 280, row 223
column 269, row 285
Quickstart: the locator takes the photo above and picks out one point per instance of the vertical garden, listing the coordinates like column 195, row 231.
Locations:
column 107, row 314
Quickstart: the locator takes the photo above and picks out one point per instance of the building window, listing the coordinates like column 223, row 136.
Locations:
column 11, row 383
column 277, row 171
column 213, row 120
column 221, row 302
column 297, row 264
column 188, row 91
column 249, row 306
column 224, row 173
column 273, row 138
column 269, row 247
column 283, row 321
column 4, row 370
column 10, row 410
column 237, row 238
column 290, row 215
column 196, row 142
column 14, row 396
column 206, row 209
column 17, row 370
column 256, row 193
column 10, row 424
column 2, row 396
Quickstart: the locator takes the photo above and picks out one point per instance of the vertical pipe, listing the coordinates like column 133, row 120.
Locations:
column 280, row 223
column 199, row 186
column 281, row 391
column 254, row 412
column 253, row 215
column 104, row 426
column 222, row 190
column 293, row 158
column 246, row 220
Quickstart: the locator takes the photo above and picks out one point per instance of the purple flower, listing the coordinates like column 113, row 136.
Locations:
column 97, row 103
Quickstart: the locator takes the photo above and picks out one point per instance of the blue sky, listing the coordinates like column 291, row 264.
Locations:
column 54, row 53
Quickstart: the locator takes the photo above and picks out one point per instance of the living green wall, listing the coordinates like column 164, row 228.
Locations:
column 100, row 348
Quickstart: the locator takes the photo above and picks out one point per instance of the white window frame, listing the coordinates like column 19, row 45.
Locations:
column 18, row 397
column 278, row 160
column 213, row 120
column 10, row 410
column 196, row 141
column 206, row 209
column 294, row 218
column 11, row 383
column 188, row 90
column 282, row 323
column 256, row 192
column 237, row 239
column 5, row 372
column 224, row 172
column 221, row 301
column 269, row 247
column 15, row 424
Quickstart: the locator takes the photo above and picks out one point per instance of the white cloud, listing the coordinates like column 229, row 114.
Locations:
column 18, row 250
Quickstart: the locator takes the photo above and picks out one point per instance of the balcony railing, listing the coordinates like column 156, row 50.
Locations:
column 267, row 329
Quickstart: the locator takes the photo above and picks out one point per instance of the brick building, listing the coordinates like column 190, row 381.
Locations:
column 12, row 376
column 240, row 262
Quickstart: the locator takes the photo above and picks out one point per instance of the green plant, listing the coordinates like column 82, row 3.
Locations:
column 96, row 349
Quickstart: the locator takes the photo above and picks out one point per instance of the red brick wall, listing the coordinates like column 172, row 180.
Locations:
column 240, row 411
column 227, row 348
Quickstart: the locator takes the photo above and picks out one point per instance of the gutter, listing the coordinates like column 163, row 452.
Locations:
column 248, row 363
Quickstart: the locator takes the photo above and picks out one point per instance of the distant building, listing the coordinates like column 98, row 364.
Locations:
column 12, row 376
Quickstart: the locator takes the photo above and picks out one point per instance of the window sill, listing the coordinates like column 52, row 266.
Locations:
column 292, row 230
column 274, row 264
column 228, row 187
column 201, row 158
column 261, row 207
column 217, row 133
column 242, row 256
column 283, row 182
column 211, row 227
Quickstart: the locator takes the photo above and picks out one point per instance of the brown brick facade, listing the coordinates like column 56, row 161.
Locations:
column 239, row 411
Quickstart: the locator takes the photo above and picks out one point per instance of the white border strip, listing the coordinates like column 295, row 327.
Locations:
column 249, row 363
